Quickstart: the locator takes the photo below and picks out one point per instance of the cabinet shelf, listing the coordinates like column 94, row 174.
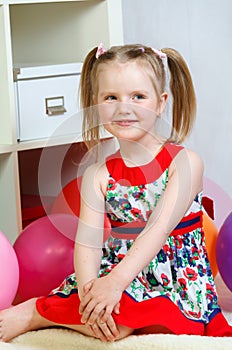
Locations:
column 41, row 143
column 38, row 32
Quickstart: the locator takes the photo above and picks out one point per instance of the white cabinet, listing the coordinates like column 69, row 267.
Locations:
column 42, row 33
column 47, row 101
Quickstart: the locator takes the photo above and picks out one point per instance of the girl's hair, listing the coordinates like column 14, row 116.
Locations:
column 181, row 86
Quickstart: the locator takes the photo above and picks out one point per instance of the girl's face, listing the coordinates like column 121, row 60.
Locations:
column 127, row 102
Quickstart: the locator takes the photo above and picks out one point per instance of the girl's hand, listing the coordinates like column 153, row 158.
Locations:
column 105, row 331
column 101, row 296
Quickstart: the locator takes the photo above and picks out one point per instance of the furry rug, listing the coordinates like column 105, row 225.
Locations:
column 60, row 339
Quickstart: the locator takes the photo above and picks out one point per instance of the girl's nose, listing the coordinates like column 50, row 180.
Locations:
column 124, row 108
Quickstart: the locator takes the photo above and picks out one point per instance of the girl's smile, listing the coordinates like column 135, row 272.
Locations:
column 125, row 123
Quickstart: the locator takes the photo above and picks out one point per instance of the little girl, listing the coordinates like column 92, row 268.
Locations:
column 153, row 273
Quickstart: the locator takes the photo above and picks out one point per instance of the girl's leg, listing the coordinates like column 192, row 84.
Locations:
column 24, row 317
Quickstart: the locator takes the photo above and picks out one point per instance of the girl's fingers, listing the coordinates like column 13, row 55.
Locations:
column 95, row 313
column 117, row 308
column 97, row 332
column 87, row 311
column 109, row 328
column 106, row 331
column 86, row 299
column 113, row 328
column 107, row 313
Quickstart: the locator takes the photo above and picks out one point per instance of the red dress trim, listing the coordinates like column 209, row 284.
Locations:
column 144, row 174
column 147, row 316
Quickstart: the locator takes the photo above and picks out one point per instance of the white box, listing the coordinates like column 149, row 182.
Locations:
column 47, row 101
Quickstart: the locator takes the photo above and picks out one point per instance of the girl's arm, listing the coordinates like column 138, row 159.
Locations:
column 88, row 245
column 89, row 238
column 185, row 181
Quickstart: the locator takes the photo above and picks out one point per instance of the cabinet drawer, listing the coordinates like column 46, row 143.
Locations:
column 47, row 101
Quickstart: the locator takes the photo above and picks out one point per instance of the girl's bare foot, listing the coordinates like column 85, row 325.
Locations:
column 20, row 319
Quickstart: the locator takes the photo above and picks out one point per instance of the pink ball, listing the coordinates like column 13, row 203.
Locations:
column 9, row 273
column 45, row 254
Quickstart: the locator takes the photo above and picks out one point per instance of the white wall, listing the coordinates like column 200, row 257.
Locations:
column 202, row 31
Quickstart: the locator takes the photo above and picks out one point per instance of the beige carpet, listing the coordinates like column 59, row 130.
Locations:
column 61, row 339
column 56, row 339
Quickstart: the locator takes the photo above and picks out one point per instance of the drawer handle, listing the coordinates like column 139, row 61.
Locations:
column 55, row 105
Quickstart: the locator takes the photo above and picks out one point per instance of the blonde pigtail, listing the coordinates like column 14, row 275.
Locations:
column 184, row 98
column 90, row 127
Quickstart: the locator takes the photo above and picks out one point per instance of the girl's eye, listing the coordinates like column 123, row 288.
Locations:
column 138, row 97
column 110, row 98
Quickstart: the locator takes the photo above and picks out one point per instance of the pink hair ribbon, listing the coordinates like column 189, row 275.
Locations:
column 100, row 50
column 159, row 53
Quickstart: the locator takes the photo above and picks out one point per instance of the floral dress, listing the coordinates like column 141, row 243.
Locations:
column 175, row 291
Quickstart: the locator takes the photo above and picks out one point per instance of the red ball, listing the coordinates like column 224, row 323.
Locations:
column 45, row 254
column 68, row 201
